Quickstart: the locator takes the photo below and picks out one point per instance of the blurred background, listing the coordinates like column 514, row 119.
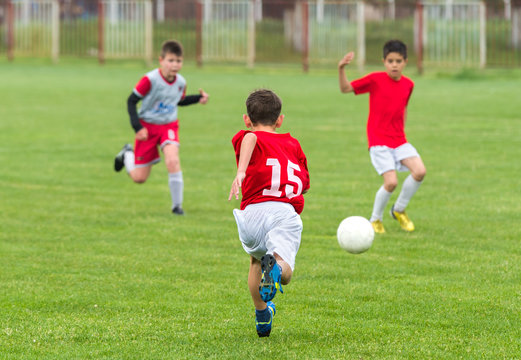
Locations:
column 314, row 33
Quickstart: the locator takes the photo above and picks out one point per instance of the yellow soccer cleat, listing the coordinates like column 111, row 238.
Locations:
column 403, row 219
column 378, row 227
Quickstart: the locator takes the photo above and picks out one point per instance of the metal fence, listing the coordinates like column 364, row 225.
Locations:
column 451, row 35
column 314, row 32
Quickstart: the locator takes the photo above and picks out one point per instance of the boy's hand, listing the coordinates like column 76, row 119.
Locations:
column 346, row 59
column 204, row 97
column 142, row 135
column 236, row 185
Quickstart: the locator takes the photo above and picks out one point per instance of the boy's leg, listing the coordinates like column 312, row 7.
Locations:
column 126, row 158
column 175, row 177
column 411, row 183
column 285, row 277
column 254, row 278
column 271, row 274
column 384, row 163
column 264, row 312
column 140, row 174
column 381, row 199
column 409, row 188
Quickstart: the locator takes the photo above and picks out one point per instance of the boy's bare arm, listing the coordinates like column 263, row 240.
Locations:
column 345, row 85
column 247, row 146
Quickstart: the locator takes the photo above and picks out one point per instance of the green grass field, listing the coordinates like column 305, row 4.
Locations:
column 96, row 267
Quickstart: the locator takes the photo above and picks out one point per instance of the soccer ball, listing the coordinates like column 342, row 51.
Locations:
column 355, row 234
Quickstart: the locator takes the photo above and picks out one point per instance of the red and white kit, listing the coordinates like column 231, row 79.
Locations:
column 158, row 113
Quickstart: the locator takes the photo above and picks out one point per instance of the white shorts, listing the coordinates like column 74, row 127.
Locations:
column 270, row 227
column 386, row 159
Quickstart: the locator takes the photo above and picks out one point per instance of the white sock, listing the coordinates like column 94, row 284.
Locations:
column 129, row 161
column 408, row 190
column 175, row 183
column 380, row 200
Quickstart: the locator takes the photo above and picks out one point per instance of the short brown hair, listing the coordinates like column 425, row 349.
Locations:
column 171, row 47
column 396, row 46
column 263, row 107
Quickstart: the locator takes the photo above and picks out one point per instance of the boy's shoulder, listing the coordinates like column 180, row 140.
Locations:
column 153, row 73
column 263, row 136
column 377, row 75
column 180, row 78
column 407, row 79
column 237, row 138
column 382, row 75
column 278, row 139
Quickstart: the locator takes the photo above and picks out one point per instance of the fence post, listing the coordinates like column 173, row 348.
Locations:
column 419, row 37
column 10, row 31
column 305, row 36
column 482, row 34
column 160, row 11
column 148, row 32
column 199, row 33
column 101, row 35
column 360, row 22
column 392, row 9
column 251, row 35
column 55, row 21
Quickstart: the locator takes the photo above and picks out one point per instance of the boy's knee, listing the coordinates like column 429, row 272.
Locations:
column 419, row 175
column 172, row 165
column 138, row 178
column 286, row 277
column 390, row 186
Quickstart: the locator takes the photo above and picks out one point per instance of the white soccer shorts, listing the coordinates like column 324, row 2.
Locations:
column 268, row 228
column 385, row 158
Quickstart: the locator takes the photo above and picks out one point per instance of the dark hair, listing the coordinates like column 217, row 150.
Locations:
column 171, row 47
column 263, row 107
column 396, row 46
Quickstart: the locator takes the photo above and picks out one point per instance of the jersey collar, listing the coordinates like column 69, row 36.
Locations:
column 165, row 80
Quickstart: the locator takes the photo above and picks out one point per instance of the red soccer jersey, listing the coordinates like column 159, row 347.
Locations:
column 388, row 100
column 278, row 170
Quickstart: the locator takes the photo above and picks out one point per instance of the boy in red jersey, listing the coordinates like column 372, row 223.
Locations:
column 272, row 172
column 156, row 125
column 389, row 93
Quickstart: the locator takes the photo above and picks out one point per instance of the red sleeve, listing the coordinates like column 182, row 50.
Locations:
column 236, row 142
column 362, row 85
column 143, row 86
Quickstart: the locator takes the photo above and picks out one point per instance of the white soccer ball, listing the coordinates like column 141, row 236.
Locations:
column 355, row 234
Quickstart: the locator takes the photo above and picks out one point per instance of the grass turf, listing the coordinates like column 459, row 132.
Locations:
column 96, row 267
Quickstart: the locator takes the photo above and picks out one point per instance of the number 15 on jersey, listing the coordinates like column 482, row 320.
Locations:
column 276, row 169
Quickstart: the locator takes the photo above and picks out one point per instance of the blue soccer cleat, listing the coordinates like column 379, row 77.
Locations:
column 270, row 280
column 264, row 325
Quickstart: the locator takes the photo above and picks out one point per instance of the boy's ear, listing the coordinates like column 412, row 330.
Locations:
column 280, row 119
column 247, row 121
